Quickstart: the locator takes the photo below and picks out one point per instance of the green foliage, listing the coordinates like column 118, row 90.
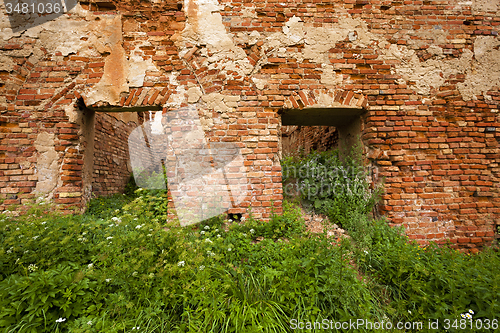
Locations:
column 150, row 204
column 106, row 207
column 334, row 186
column 428, row 283
column 40, row 298
column 121, row 268
column 132, row 270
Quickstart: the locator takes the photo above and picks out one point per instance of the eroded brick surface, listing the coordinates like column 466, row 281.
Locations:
column 427, row 73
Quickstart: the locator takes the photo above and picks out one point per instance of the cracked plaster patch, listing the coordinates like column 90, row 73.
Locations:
column 47, row 167
column 204, row 27
column 178, row 97
column 484, row 72
column 194, row 94
column 318, row 40
column 138, row 67
column 479, row 6
column 221, row 103
column 427, row 75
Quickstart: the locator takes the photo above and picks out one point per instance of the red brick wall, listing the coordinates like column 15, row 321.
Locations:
column 111, row 154
column 425, row 71
column 304, row 139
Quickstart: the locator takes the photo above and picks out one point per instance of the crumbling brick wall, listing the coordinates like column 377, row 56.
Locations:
column 426, row 74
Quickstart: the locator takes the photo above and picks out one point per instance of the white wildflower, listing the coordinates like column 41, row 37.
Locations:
column 90, row 265
column 108, row 238
column 138, row 226
column 229, row 249
column 202, row 267
column 44, row 222
column 207, row 227
column 230, row 220
column 252, row 231
column 207, row 240
column 89, row 322
column 32, row 267
column 181, row 263
column 134, row 274
column 108, row 280
column 60, row 320
column 202, row 232
column 218, row 235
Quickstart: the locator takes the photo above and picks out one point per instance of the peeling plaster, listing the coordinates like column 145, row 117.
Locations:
column 318, row 40
column 205, row 28
column 479, row 6
column 329, row 77
column 178, row 97
column 194, row 94
column 88, row 35
column 116, row 69
column 427, row 75
column 484, row 72
column 6, row 63
column 248, row 12
column 259, row 83
column 138, row 67
column 221, row 103
column 47, row 166
column 73, row 115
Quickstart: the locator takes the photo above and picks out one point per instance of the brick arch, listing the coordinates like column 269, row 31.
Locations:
column 324, row 108
column 138, row 97
column 325, row 98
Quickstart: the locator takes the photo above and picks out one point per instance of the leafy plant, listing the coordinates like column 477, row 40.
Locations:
column 337, row 187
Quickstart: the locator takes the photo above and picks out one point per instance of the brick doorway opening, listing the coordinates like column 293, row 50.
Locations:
column 304, row 130
column 105, row 133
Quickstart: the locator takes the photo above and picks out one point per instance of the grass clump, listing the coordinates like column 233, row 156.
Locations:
column 438, row 284
column 102, row 273
column 122, row 268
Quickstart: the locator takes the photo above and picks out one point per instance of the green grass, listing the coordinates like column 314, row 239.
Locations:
column 121, row 268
